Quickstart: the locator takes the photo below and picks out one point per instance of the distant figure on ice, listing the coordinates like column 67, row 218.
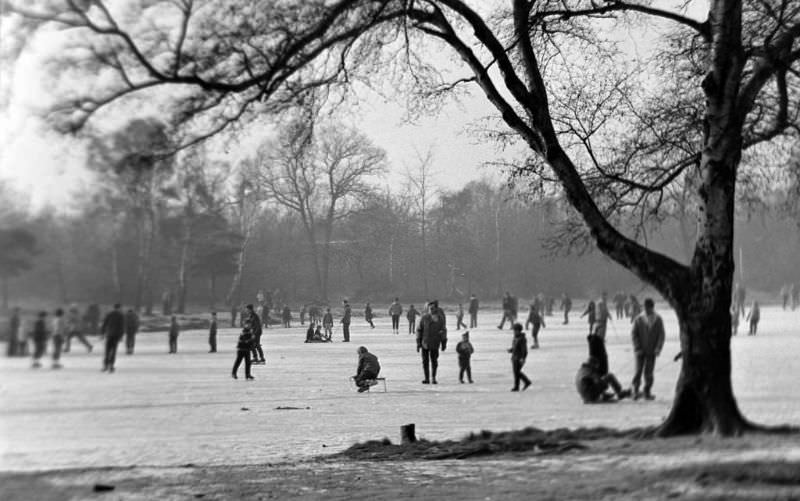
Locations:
column 113, row 329
column 519, row 352
column 753, row 317
column 303, row 312
column 345, row 321
column 368, row 315
column 91, row 319
column 327, row 323
column 739, row 296
column 592, row 384
column 367, row 370
column 174, row 330
column 59, row 333
column 566, row 306
column 40, row 334
column 591, row 316
column 255, row 331
column 734, row 321
column 634, row 308
column 619, row 304
column 75, row 329
column 603, row 316
column 535, row 319
column 431, row 334
column 131, row 328
column 395, row 310
column 310, row 333
column 411, row 316
column 648, row 339
column 460, row 317
column 212, row 333
column 473, row 311
column 243, row 348
column 509, row 312
column 14, row 337
column 286, row 316
column 465, row 350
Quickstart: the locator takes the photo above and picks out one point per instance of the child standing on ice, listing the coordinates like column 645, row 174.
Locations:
column 465, row 350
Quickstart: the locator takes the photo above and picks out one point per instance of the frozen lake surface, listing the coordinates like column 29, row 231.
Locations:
column 161, row 410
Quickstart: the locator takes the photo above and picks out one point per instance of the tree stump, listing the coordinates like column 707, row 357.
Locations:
column 407, row 435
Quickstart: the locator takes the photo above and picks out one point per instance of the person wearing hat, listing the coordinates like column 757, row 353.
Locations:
column 592, row 384
column 431, row 334
column 345, row 321
column 367, row 370
column 519, row 352
column 465, row 350
column 113, row 329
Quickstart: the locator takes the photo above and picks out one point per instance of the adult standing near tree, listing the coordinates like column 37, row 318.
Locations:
column 345, row 321
column 113, row 329
column 411, row 315
column 14, row 323
column 131, row 328
column 395, row 310
column 40, row 334
column 648, row 339
column 286, row 316
column 212, row 333
column 754, row 317
column 519, row 353
column 255, row 330
column 473, row 311
column 431, row 334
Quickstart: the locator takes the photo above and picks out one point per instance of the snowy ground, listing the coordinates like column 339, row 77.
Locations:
column 162, row 410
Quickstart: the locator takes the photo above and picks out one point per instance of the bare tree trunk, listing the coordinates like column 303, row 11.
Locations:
column 212, row 291
column 182, row 267
column 141, row 265
column 115, row 271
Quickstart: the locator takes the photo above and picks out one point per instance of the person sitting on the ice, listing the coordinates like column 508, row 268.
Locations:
column 318, row 335
column 368, row 369
column 310, row 333
column 592, row 384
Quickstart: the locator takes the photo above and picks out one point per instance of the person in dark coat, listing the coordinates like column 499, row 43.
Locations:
column 395, row 310
column 345, row 321
column 174, row 330
column 473, row 311
column 465, row 350
column 648, row 339
column 14, row 324
column 592, row 384
column 519, row 352
column 243, row 348
column 310, row 333
column 591, row 316
column 92, row 319
column 40, row 334
column 368, row 315
column 431, row 335
column 508, row 310
column 113, row 329
column 131, row 328
column 597, row 350
column 754, row 317
column 212, row 333
column 255, row 330
column 535, row 319
column 286, row 316
column 411, row 315
column 566, row 305
column 367, row 370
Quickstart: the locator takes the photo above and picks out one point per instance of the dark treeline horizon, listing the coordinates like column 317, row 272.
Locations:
column 479, row 240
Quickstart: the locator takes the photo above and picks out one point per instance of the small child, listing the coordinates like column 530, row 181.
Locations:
column 465, row 350
column 173, row 335
column 243, row 348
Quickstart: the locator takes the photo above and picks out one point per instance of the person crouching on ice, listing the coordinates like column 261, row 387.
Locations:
column 592, row 384
column 368, row 369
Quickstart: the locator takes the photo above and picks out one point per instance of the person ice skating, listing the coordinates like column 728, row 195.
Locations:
column 509, row 312
column 75, row 329
column 411, row 315
column 212, row 333
column 255, row 331
column 566, row 306
column 14, row 337
column 753, row 317
column 345, row 321
column 367, row 370
column 131, row 328
column 590, row 315
column 603, row 315
column 519, row 352
column 592, row 384
column 174, row 330
column 535, row 319
column 327, row 323
column 113, row 329
column 465, row 350
column 648, row 339
column 368, row 315
column 40, row 334
column 431, row 335
column 395, row 310
column 243, row 348
column 286, row 316
column 59, row 333
column 460, row 317
column 473, row 311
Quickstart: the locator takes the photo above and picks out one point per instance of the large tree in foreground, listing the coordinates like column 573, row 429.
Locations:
column 732, row 79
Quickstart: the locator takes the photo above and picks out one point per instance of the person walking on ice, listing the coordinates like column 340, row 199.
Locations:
column 174, row 330
column 465, row 350
column 519, row 352
column 753, row 317
column 460, row 317
column 395, row 310
column 431, row 335
column 412, row 315
column 243, row 348
column 535, row 319
column 212, row 333
column 648, row 339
